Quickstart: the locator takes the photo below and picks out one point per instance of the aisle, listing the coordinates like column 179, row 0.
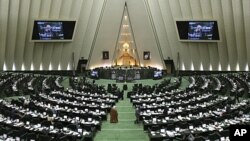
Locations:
column 125, row 129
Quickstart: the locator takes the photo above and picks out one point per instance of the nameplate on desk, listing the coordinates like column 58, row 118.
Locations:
column 163, row 130
column 17, row 138
column 154, row 119
column 239, row 132
column 177, row 129
column 79, row 130
column 65, row 128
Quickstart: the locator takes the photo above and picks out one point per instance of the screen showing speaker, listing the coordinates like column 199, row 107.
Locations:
column 198, row 31
column 146, row 55
column 158, row 74
column 51, row 30
column 94, row 74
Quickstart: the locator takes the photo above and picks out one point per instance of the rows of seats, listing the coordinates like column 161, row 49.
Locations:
column 17, row 84
column 161, row 87
column 37, row 122
column 242, row 79
column 236, row 84
column 13, row 84
column 51, row 113
column 197, row 112
column 177, row 108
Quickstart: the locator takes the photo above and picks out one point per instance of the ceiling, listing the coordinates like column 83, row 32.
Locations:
column 98, row 23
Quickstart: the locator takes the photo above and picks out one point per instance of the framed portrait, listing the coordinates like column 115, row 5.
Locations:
column 105, row 55
column 146, row 55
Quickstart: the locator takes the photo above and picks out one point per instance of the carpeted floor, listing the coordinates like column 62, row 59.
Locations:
column 125, row 130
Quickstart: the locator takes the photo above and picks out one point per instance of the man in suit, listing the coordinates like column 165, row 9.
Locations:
column 236, row 97
column 137, row 115
column 165, row 112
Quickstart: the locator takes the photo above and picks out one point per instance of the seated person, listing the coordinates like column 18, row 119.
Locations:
column 228, row 108
column 190, row 137
column 113, row 115
column 50, row 119
column 165, row 112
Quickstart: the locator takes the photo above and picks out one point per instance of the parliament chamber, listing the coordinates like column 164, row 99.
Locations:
column 39, row 107
column 124, row 70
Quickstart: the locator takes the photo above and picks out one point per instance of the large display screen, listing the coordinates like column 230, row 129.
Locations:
column 94, row 73
column 158, row 74
column 198, row 30
column 53, row 30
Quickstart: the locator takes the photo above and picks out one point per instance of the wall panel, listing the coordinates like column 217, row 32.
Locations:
column 16, row 21
column 143, row 33
column 4, row 12
column 246, row 14
column 39, row 50
column 222, row 46
column 239, row 33
column 194, row 63
column 230, row 32
column 48, row 47
column 91, row 34
column 30, row 46
column 212, row 48
column 66, row 54
column 57, row 47
column 107, row 35
column 82, row 27
column 203, row 47
column 160, row 28
column 194, row 47
column 11, row 33
column 170, row 14
column 21, row 32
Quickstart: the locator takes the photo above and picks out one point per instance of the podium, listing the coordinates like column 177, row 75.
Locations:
column 81, row 66
column 170, row 66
